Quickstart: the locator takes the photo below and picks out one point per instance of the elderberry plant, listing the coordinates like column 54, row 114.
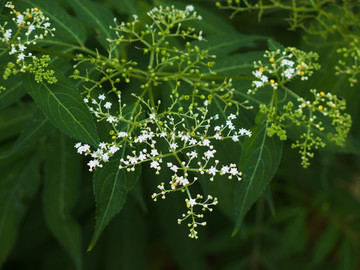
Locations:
column 278, row 69
column 178, row 137
column 154, row 92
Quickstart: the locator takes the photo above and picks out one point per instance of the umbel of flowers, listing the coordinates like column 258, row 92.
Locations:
column 178, row 138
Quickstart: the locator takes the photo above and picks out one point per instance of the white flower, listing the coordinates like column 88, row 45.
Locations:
column 92, row 164
column 21, row 56
column 212, row 170
column 47, row 25
column 174, row 168
column 142, row 157
column 191, row 202
column 217, row 128
column 101, row 97
column 152, row 116
column 183, row 181
column 113, row 149
column 289, row 73
column 209, row 154
column 264, row 78
column 258, row 84
column 105, row 157
column 217, row 136
column 108, row 105
column 234, row 171
column 192, row 154
column 154, row 164
column 225, row 169
column 206, row 142
column 133, row 160
column 286, row 62
column 102, row 145
column 83, row 148
column 31, row 28
column 257, row 73
column 192, row 141
column 122, row 134
column 173, row 146
column 235, row 138
column 86, row 100
column 232, row 116
column 190, row 8
column 154, row 152
column 7, row 34
column 22, row 47
column 20, row 19
column 111, row 119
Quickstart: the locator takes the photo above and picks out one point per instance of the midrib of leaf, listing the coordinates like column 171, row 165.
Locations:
column 93, row 241
column 261, row 147
column 74, row 35
column 66, row 109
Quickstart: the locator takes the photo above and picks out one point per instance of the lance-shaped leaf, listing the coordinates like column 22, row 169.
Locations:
column 111, row 186
column 19, row 182
column 259, row 160
column 63, row 106
column 61, row 184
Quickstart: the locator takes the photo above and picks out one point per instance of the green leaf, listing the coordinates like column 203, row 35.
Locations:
column 19, row 182
column 224, row 44
column 97, row 16
column 13, row 119
column 63, row 106
column 273, row 45
column 111, row 186
column 67, row 27
column 269, row 199
column 347, row 255
column 259, row 160
column 35, row 129
column 326, row 242
column 61, row 184
column 14, row 91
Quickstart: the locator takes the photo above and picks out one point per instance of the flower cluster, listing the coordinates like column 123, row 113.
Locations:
column 180, row 142
column 350, row 65
column 183, row 70
column 281, row 66
column 28, row 28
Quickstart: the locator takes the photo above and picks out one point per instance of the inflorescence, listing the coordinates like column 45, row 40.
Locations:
column 279, row 68
column 27, row 28
column 177, row 136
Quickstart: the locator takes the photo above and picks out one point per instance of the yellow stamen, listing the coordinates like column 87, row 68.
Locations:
column 272, row 81
column 29, row 16
column 12, row 6
column 320, row 107
column 36, row 9
column 18, row 13
column 271, row 60
column 303, row 105
column 322, row 94
column 302, row 73
column 261, row 69
column 298, row 66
